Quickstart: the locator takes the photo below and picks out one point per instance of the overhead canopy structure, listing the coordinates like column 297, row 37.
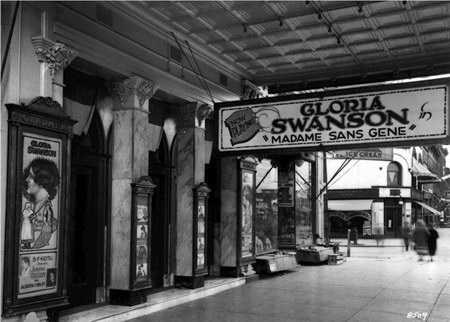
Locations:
column 428, row 208
column 422, row 173
column 302, row 45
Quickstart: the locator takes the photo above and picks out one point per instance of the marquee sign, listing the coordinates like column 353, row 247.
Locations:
column 367, row 119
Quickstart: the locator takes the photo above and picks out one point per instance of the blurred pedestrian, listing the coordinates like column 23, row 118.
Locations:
column 420, row 237
column 432, row 241
column 378, row 232
column 406, row 232
column 354, row 235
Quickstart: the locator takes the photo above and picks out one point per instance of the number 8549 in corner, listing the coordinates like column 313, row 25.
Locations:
column 417, row 315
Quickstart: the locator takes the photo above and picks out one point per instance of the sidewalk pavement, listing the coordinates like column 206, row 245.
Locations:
column 387, row 284
column 362, row 242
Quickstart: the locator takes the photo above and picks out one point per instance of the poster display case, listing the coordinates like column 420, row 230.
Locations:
column 141, row 213
column 246, row 213
column 200, row 224
column 37, row 204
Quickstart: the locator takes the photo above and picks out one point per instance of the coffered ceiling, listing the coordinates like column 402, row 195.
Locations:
column 293, row 45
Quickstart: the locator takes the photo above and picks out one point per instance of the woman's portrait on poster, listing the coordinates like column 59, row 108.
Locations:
column 247, row 203
column 142, row 254
column 40, row 182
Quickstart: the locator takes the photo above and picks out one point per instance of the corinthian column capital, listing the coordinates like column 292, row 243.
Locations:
column 134, row 91
column 55, row 54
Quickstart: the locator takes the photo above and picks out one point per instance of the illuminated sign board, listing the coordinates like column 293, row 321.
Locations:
column 395, row 116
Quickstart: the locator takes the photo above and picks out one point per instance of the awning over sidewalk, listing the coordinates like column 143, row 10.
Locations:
column 421, row 171
column 429, row 208
column 350, row 205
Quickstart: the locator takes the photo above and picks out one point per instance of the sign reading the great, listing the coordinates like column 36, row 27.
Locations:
column 392, row 116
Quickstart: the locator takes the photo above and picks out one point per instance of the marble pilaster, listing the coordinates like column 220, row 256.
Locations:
column 228, row 208
column 191, row 171
column 130, row 162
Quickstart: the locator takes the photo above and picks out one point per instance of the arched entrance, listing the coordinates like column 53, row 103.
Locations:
column 162, row 170
column 88, row 220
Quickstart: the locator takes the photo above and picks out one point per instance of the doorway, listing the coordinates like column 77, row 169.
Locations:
column 162, row 170
column 89, row 206
column 392, row 219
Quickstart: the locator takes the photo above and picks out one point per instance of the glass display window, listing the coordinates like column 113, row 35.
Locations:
column 303, row 204
column 266, row 220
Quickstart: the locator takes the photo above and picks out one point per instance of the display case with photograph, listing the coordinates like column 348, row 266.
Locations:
column 200, row 255
column 246, row 213
column 142, row 192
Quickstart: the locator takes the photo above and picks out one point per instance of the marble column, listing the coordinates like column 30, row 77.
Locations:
column 191, row 161
column 132, row 141
column 228, row 215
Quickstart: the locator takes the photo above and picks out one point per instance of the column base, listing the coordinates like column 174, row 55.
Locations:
column 128, row 298
column 190, row 281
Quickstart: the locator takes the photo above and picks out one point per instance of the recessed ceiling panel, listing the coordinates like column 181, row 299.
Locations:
column 273, row 40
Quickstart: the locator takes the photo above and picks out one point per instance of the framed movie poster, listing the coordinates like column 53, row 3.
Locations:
column 201, row 234
column 246, row 227
column 37, row 204
column 142, row 192
column 39, row 229
column 200, row 231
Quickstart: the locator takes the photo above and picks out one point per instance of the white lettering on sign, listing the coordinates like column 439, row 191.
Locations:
column 369, row 118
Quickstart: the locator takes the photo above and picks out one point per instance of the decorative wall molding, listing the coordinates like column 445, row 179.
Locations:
column 55, row 54
column 45, row 102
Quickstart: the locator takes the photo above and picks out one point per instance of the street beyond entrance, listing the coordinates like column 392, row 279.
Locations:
column 375, row 284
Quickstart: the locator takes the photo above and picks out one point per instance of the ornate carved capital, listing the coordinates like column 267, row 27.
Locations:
column 145, row 90
column 122, row 88
column 55, row 54
column 203, row 111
